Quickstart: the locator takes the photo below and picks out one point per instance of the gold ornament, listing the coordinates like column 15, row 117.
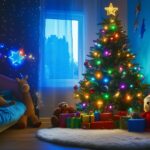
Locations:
column 111, row 10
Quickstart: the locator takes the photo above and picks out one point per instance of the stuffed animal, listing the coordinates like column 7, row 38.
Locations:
column 146, row 113
column 3, row 102
column 63, row 107
column 27, row 100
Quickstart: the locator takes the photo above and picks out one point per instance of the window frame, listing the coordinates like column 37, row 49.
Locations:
column 68, row 16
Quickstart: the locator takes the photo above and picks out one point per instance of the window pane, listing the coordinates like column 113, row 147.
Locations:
column 61, row 49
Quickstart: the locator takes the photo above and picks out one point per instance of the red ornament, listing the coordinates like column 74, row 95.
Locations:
column 75, row 87
column 92, row 91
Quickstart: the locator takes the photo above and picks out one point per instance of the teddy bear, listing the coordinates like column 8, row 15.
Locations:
column 63, row 107
column 27, row 100
column 146, row 114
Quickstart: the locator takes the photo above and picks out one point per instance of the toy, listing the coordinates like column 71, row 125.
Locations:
column 146, row 115
column 63, row 107
column 27, row 100
column 3, row 102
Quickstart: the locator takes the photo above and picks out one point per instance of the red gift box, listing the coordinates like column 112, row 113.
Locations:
column 106, row 116
column 102, row 125
column 116, row 117
column 63, row 117
column 122, row 113
column 85, row 125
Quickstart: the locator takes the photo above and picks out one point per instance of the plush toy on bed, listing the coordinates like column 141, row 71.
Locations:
column 27, row 100
column 3, row 102
column 146, row 114
column 63, row 107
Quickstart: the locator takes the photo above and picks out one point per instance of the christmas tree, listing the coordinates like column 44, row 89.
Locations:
column 112, row 79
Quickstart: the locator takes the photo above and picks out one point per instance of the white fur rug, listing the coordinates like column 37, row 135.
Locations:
column 96, row 139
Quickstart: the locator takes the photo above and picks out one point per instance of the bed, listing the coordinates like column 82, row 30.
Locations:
column 9, row 115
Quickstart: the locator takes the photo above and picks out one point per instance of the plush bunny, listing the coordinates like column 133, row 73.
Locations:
column 27, row 100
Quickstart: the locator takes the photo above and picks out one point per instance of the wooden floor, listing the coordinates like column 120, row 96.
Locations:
column 15, row 139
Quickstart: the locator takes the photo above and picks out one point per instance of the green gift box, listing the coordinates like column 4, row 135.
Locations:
column 117, row 124
column 77, row 123
column 73, row 122
column 124, row 122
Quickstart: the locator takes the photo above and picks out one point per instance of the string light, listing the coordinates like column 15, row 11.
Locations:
column 109, row 71
column 100, row 103
column 128, row 97
column 106, row 96
column 96, row 54
column 106, row 27
column 104, row 39
column 139, row 94
column 129, row 65
column 105, row 80
column 98, row 75
column 117, row 94
column 86, row 96
column 116, row 35
column 98, row 62
column 112, row 20
column 87, row 83
column 92, row 79
column 113, row 27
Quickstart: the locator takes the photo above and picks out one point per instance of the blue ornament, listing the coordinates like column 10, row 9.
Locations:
column 15, row 58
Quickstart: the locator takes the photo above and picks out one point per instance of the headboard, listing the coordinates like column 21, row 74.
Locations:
column 7, row 83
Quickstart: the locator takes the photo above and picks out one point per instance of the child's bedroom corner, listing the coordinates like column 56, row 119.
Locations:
column 74, row 74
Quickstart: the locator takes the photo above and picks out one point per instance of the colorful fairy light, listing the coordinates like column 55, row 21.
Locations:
column 131, row 85
column 98, row 62
column 122, row 86
column 139, row 94
column 106, row 96
column 113, row 27
column 105, row 80
column 120, row 69
column 128, row 97
column 109, row 71
column 86, row 96
column 117, row 94
column 100, row 103
column 106, row 27
column 107, row 53
column 87, row 83
column 92, row 79
column 98, row 75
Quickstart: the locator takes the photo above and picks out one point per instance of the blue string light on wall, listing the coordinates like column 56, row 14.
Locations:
column 16, row 58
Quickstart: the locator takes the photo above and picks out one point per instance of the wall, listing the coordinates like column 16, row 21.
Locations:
column 141, row 46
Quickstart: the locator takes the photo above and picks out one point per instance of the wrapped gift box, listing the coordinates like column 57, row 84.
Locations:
column 85, row 125
column 77, row 122
column 122, row 113
column 116, row 119
column 87, row 118
column 124, row 122
column 136, row 125
column 102, row 125
column 106, row 117
column 63, row 117
column 97, row 116
column 74, row 122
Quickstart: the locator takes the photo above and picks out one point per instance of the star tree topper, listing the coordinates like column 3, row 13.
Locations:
column 111, row 10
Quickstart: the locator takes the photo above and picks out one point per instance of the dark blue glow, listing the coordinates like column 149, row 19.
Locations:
column 15, row 58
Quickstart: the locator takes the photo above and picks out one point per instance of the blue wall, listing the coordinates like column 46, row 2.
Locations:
column 141, row 46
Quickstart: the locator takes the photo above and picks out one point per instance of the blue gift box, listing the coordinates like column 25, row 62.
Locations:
column 136, row 125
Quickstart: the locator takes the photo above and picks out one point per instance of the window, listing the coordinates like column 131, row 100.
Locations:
column 63, row 49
